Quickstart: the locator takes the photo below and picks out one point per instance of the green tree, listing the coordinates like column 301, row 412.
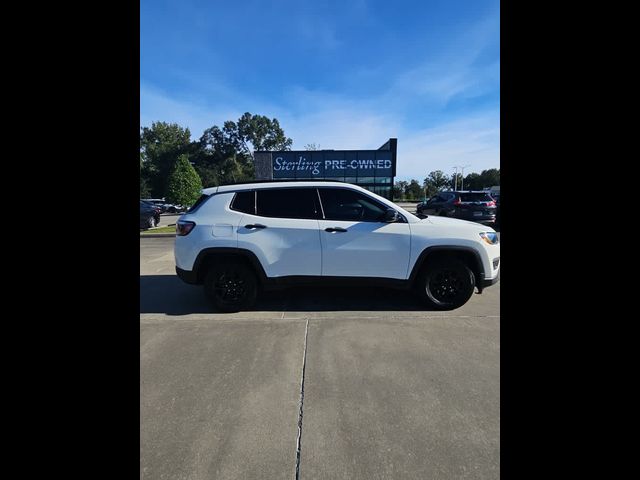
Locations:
column 145, row 191
column 399, row 189
column 262, row 133
column 160, row 146
column 184, row 186
column 145, row 174
column 473, row 181
column 414, row 190
column 435, row 182
column 480, row 181
column 224, row 155
column 489, row 178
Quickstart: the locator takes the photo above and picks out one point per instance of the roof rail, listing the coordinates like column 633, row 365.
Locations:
column 283, row 180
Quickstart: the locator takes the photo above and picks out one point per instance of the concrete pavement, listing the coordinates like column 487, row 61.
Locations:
column 390, row 390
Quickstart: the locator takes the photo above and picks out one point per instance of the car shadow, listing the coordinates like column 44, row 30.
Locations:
column 169, row 295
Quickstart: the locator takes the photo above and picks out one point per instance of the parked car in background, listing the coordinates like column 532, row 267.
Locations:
column 165, row 207
column 171, row 208
column 158, row 202
column 477, row 207
column 149, row 215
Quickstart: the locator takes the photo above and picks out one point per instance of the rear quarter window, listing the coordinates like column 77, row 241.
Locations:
column 203, row 198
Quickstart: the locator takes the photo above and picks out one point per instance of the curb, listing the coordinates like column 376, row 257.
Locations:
column 157, row 235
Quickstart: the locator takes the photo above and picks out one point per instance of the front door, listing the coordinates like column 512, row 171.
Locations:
column 355, row 243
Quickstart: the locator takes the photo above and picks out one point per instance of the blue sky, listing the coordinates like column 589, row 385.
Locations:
column 341, row 74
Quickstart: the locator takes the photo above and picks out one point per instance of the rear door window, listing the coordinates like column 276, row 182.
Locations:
column 288, row 203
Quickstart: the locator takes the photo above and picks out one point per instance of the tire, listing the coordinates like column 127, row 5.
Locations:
column 151, row 222
column 446, row 284
column 231, row 286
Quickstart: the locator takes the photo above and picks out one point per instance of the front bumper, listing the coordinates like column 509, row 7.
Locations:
column 488, row 282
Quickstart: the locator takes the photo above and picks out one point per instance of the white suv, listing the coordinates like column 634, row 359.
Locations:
column 237, row 239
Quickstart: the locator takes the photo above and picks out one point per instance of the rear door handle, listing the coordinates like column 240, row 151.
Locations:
column 335, row 229
column 253, row 226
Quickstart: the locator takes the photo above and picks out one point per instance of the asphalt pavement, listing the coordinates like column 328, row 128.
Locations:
column 391, row 390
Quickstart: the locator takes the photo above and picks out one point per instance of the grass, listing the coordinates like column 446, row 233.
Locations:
column 165, row 229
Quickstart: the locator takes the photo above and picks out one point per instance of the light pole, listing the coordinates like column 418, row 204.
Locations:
column 455, row 178
column 462, row 179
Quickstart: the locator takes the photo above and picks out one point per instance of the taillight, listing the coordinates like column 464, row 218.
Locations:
column 491, row 204
column 458, row 201
column 183, row 227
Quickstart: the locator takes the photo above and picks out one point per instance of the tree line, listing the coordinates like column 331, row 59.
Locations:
column 173, row 165
column 438, row 181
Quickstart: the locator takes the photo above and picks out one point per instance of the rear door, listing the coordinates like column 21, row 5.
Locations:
column 355, row 243
column 282, row 230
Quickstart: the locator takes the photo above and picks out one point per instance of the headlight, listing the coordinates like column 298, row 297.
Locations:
column 490, row 237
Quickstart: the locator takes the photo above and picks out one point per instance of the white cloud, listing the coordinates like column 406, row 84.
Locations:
column 474, row 142
column 158, row 106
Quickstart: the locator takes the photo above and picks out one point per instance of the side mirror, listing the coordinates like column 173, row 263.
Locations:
column 391, row 216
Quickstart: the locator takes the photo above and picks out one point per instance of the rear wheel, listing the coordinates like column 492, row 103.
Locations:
column 151, row 222
column 231, row 287
column 446, row 284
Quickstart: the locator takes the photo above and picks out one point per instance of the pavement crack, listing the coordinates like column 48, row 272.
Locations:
column 304, row 366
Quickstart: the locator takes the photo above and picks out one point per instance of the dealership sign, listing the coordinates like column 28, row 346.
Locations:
column 323, row 164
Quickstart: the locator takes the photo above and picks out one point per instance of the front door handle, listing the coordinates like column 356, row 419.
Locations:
column 335, row 229
column 253, row 226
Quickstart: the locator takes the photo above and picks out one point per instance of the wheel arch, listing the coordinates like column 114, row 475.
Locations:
column 468, row 255
column 216, row 254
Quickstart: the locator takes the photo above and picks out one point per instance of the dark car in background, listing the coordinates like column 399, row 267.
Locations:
column 477, row 207
column 165, row 207
column 149, row 215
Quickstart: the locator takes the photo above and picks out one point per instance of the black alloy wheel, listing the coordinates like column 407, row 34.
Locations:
column 231, row 287
column 446, row 284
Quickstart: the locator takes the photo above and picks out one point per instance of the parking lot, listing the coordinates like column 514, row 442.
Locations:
column 391, row 390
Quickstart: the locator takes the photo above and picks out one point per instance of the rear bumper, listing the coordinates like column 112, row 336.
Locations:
column 187, row 276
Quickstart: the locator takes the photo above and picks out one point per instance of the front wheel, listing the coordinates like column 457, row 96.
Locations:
column 151, row 222
column 446, row 284
column 231, row 287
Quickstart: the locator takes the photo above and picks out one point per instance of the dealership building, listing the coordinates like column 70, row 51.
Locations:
column 374, row 170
